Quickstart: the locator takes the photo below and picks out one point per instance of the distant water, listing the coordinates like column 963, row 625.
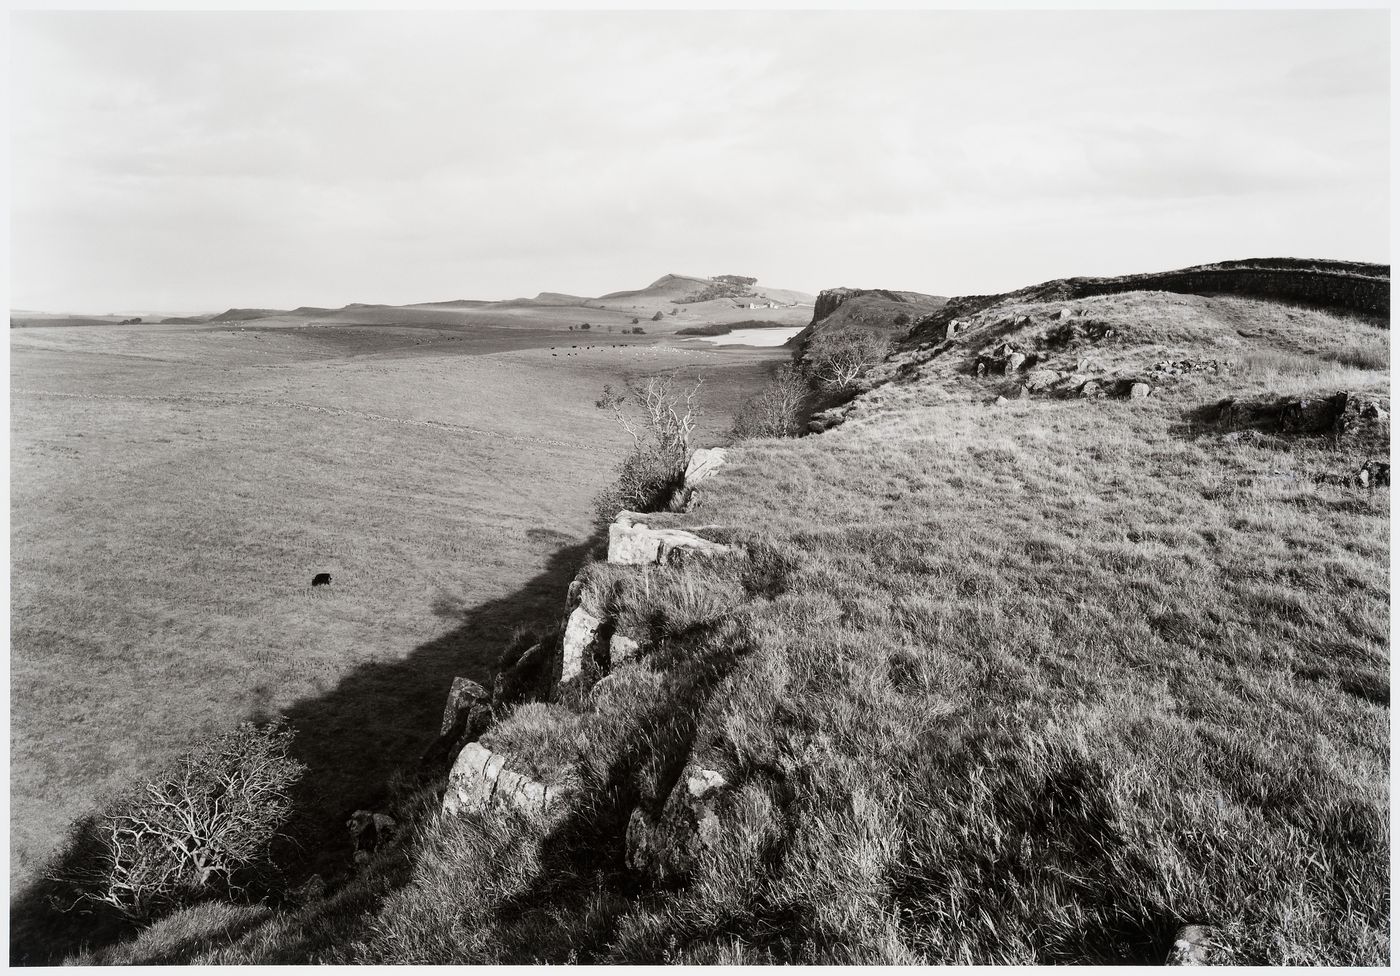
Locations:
column 753, row 337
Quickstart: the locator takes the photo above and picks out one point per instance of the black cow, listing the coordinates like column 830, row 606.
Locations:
column 321, row 579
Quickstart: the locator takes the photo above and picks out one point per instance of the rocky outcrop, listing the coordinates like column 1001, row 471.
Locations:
column 577, row 648
column 663, row 848
column 631, row 542
column 703, row 464
column 466, row 716
column 480, row 781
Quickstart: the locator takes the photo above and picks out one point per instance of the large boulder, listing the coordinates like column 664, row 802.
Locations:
column 479, row 781
column 703, row 464
column 631, row 542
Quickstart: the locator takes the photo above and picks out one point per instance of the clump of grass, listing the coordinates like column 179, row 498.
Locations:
column 540, row 740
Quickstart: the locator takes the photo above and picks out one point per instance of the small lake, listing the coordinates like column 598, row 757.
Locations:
column 753, row 337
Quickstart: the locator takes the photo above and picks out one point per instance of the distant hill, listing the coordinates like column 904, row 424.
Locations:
column 681, row 300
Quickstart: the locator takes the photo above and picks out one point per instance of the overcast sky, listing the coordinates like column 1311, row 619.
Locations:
column 194, row 161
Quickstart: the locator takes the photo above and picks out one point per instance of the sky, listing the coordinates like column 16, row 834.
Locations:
column 184, row 162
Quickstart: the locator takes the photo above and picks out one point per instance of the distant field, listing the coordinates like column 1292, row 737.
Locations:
column 174, row 488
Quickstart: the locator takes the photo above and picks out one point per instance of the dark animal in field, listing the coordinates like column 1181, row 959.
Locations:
column 321, row 579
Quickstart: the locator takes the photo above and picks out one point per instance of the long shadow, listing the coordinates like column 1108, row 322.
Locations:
column 377, row 720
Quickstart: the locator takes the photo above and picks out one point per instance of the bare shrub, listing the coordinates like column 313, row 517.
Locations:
column 844, row 357
column 660, row 418
column 775, row 410
column 199, row 828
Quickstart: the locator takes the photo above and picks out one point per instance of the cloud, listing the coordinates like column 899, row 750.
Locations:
column 291, row 158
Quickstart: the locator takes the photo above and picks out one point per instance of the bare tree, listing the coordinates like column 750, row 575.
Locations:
column 193, row 829
column 659, row 414
column 660, row 418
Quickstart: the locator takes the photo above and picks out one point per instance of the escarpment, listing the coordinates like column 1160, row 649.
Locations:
column 617, row 613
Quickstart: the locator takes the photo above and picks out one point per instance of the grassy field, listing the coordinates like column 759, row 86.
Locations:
column 174, row 489
column 1038, row 681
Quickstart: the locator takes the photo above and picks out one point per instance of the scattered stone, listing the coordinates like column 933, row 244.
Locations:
column 980, row 369
column 1014, row 361
column 1042, row 379
column 1139, row 391
column 1022, row 392
column 632, row 543
column 1091, row 389
column 1182, row 367
column 1191, row 946
column 1000, row 401
column 480, row 781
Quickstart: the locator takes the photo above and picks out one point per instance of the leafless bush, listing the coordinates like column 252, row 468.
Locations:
column 196, row 829
column 660, row 417
column 775, row 410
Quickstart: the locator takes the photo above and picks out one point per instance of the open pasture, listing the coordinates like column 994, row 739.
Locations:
column 175, row 488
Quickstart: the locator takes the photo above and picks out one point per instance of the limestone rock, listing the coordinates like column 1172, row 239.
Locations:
column 466, row 716
column 1042, row 379
column 464, row 695
column 664, row 847
column 580, row 635
column 1091, row 389
column 1014, row 361
column 703, row 464
column 480, row 781
column 1191, row 946
column 621, row 649
column 632, row 543
column 1000, row 401
column 1139, row 391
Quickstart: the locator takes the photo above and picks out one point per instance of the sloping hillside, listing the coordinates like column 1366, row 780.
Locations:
column 1067, row 641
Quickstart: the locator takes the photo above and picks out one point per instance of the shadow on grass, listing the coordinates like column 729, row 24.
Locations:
column 377, row 720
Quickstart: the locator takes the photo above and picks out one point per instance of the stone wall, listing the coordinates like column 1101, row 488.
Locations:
column 1336, row 290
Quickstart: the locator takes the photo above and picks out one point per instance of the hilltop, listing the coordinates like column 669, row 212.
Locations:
column 1062, row 638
